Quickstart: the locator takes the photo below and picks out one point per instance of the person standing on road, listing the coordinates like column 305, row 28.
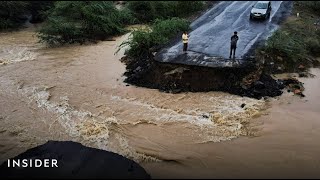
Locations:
column 185, row 39
column 234, row 40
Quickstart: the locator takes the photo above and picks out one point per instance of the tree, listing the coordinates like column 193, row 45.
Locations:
column 80, row 21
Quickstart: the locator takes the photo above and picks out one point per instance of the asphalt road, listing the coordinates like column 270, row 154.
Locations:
column 209, row 39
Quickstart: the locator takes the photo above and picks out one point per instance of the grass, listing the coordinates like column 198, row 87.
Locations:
column 297, row 42
column 149, row 11
column 143, row 40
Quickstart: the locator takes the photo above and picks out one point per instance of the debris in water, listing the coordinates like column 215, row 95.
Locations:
column 294, row 86
column 301, row 66
column 205, row 116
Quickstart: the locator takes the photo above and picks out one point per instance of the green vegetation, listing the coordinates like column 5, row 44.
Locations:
column 165, row 17
column 11, row 14
column 141, row 41
column 297, row 41
column 67, row 22
column 126, row 17
column 14, row 13
column 148, row 11
column 38, row 9
column 314, row 6
column 80, row 21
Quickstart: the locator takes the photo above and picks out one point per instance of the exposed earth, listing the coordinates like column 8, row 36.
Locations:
column 205, row 66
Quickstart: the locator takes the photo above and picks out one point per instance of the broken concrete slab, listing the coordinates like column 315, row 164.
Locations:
column 205, row 60
column 209, row 38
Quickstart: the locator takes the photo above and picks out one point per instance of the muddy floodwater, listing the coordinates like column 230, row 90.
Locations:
column 77, row 93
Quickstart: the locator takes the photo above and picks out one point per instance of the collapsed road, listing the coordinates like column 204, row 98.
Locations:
column 209, row 41
column 205, row 66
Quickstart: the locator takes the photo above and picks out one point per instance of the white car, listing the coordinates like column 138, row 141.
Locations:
column 261, row 10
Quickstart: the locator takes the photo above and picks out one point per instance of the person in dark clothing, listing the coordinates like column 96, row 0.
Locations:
column 234, row 40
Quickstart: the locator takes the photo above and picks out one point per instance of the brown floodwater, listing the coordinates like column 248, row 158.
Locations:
column 286, row 146
column 77, row 93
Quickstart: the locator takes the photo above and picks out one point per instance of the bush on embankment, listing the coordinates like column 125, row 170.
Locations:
column 80, row 21
column 313, row 6
column 37, row 10
column 11, row 14
column 296, row 43
column 148, row 11
column 142, row 40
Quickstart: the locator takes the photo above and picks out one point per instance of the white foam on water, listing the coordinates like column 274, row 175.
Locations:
column 166, row 115
column 223, row 122
column 83, row 124
column 14, row 54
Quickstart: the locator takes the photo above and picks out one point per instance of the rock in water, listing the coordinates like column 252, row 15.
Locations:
column 75, row 161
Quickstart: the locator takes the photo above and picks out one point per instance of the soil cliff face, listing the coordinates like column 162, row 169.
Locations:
column 246, row 80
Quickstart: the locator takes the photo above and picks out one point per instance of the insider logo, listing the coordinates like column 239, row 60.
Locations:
column 32, row 163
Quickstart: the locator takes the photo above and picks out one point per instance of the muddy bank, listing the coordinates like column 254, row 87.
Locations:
column 74, row 161
column 249, row 80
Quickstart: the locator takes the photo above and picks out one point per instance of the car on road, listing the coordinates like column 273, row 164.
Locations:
column 261, row 10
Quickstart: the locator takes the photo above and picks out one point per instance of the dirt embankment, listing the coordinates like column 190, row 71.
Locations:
column 252, row 80
column 248, row 81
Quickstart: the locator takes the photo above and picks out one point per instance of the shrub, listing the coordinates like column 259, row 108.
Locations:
column 126, row 17
column 295, row 42
column 142, row 10
column 283, row 44
column 11, row 14
column 163, row 9
column 185, row 8
column 80, row 21
column 141, row 41
column 164, row 30
column 38, row 9
column 313, row 46
column 312, row 5
column 148, row 11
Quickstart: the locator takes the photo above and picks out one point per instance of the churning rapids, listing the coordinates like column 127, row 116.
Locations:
column 77, row 93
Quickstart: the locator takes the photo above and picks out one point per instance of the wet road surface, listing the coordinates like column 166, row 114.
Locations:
column 209, row 39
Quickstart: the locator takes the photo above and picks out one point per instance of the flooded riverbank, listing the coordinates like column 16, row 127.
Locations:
column 286, row 146
column 81, row 89
column 77, row 93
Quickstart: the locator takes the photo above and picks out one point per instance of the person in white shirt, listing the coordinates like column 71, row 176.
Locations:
column 185, row 39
